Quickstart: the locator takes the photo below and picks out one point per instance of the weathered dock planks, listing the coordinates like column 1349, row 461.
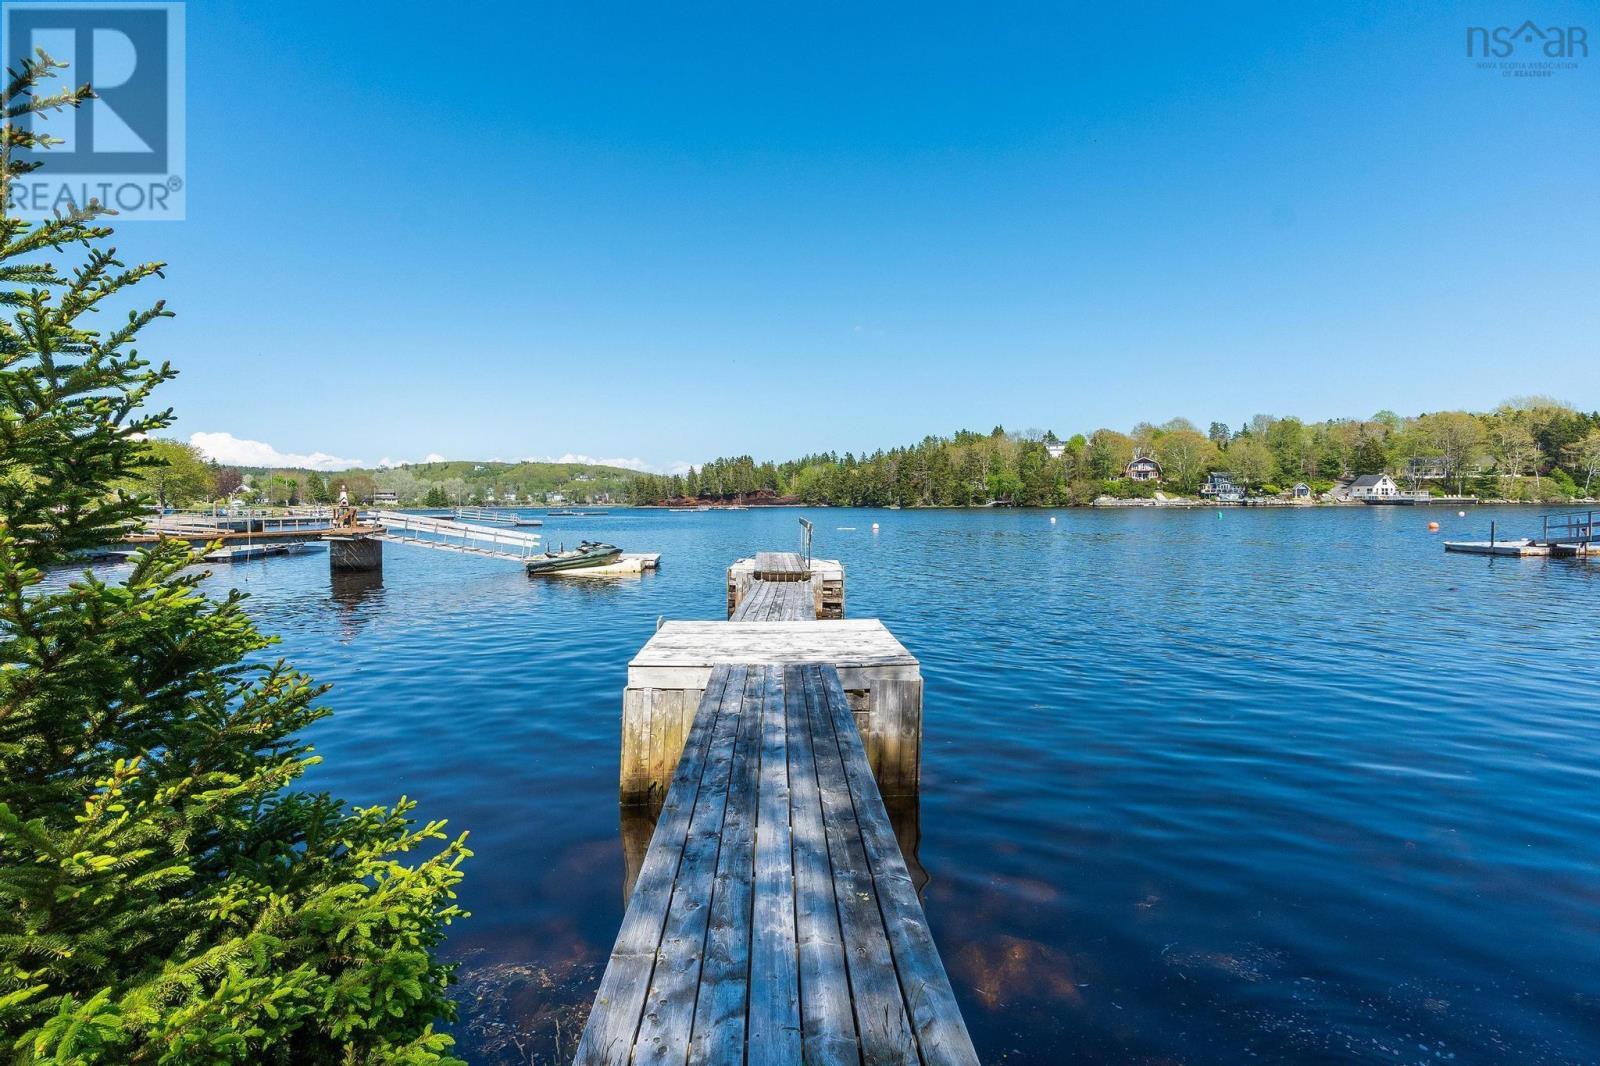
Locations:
column 825, row 580
column 775, row 601
column 773, row 920
column 781, row 566
column 667, row 677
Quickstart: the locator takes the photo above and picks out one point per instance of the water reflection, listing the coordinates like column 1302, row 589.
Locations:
column 357, row 594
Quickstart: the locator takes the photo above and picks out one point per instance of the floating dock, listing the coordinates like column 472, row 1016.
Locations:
column 239, row 553
column 774, row 919
column 1564, row 535
column 626, row 563
column 1521, row 548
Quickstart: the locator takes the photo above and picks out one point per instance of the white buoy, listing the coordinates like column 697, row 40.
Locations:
column 1461, row 514
column 1052, row 519
column 874, row 527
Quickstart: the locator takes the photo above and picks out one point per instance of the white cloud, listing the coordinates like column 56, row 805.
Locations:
column 589, row 460
column 433, row 457
column 226, row 448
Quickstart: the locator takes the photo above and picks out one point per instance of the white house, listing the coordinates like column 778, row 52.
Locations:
column 1301, row 491
column 1055, row 449
column 1373, row 487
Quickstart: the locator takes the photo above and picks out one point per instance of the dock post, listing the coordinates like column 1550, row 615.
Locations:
column 354, row 552
column 1491, row 534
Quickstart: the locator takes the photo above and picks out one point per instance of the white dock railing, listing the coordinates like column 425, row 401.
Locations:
column 428, row 531
column 486, row 514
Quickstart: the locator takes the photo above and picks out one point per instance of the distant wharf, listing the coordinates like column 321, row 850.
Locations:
column 357, row 544
column 773, row 919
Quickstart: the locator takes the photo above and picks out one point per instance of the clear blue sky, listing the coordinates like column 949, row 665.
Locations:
column 668, row 232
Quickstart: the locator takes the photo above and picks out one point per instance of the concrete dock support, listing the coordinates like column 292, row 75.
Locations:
column 356, row 552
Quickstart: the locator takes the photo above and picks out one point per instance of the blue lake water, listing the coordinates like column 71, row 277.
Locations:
column 1270, row 785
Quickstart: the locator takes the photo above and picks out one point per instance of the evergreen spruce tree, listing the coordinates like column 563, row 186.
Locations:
column 167, row 893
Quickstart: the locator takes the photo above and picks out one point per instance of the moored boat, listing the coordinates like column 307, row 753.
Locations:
column 588, row 553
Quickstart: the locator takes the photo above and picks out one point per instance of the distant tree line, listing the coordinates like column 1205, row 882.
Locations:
column 181, row 476
column 1531, row 448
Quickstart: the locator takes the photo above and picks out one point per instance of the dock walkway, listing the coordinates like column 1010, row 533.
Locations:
column 775, row 601
column 428, row 531
column 774, row 921
column 781, row 566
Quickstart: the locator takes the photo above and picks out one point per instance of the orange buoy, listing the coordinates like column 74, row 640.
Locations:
column 1433, row 527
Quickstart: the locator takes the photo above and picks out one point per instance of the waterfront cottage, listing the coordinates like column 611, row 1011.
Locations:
column 1142, row 468
column 1373, row 487
column 1219, row 486
column 1302, row 491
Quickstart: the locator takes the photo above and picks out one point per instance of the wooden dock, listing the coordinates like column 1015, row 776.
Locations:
column 197, row 536
column 775, row 601
column 773, row 920
column 668, row 676
column 782, row 566
column 825, row 578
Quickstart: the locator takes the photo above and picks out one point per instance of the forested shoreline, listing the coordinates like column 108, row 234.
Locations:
column 1533, row 449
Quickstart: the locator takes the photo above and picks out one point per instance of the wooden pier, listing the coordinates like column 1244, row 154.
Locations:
column 775, row 601
column 668, row 677
column 773, row 920
column 824, row 578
